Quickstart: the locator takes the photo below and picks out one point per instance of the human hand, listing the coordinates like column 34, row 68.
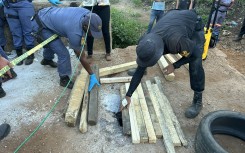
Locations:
column 125, row 103
column 4, row 62
column 93, row 81
column 55, row 2
column 169, row 69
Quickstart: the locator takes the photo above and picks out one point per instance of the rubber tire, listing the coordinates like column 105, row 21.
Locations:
column 218, row 122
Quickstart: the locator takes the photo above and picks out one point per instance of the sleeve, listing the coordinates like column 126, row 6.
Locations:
column 75, row 41
column 135, row 80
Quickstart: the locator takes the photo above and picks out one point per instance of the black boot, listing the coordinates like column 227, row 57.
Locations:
column 29, row 59
column 64, row 81
column 2, row 92
column 196, row 106
column 19, row 52
column 49, row 62
column 132, row 71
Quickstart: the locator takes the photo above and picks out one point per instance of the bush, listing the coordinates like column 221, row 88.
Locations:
column 125, row 30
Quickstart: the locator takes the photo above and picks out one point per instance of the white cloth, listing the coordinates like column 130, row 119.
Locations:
column 95, row 2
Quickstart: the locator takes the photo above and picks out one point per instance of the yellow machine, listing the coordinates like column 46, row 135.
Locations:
column 210, row 40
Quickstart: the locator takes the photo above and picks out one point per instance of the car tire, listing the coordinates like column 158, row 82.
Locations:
column 218, row 122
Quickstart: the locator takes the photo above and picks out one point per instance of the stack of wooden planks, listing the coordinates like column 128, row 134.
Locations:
column 150, row 116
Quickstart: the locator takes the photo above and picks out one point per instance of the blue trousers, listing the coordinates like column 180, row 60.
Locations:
column 57, row 47
column 2, row 37
column 20, row 27
column 155, row 15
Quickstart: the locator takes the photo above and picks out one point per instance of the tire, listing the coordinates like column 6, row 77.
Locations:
column 218, row 122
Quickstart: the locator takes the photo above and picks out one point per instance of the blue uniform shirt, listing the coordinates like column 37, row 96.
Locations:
column 66, row 22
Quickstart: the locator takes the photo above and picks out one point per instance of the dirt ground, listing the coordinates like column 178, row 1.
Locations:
column 31, row 96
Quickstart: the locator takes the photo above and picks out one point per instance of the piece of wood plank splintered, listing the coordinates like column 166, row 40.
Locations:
column 152, row 112
column 173, row 116
column 167, row 117
column 83, row 126
column 125, row 113
column 75, row 98
column 115, row 80
column 163, row 64
column 117, row 68
column 139, row 117
column 93, row 100
column 166, row 135
column 133, row 122
column 146, row 115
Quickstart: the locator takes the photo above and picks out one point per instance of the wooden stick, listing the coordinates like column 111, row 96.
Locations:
column 173, row 116
column 115, row 80
column 93, row 100
column 163, row 64
column 117, row 68
column 76, row 98
column 125, row 114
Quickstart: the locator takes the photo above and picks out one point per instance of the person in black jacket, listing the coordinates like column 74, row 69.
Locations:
column 241, row 33
column 178, row 31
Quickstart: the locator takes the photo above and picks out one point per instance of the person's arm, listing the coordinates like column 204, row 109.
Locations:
column 134, row 83
column 191, row 5
column 177, row 4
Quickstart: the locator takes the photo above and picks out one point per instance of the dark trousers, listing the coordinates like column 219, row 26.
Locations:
column 242, row 32
column 104, row 13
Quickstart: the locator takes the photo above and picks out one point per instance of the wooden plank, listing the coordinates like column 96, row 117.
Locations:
column 93, row 100
column 163, row 64
column 75, row 98
column 83, row 126
column 170, row 58
column 173, row 116
column 152, row 112
column 146, row 115
column 166, row 136
column 139, row 117
column 125, row 114
column 167, row 117
column 115, row 80
column 117, row 68
column 134, row 126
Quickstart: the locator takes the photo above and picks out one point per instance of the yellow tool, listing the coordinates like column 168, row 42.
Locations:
column 28, row 53
column 210, row 40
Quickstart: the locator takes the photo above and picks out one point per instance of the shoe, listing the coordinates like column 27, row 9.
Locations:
column 4, row 130
column 237, row 39
column 196, row 106
column 2, row 92
column 64, row 80
column 49, row 62
column 29, row 59
column 132, row 71
column 6, row 77
column 108, row 57
column 20, row 63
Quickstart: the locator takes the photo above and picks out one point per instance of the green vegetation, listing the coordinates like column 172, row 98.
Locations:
column 126, row 30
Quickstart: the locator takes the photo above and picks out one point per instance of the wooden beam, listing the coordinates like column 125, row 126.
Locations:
column 117, row 68
column 163, row 64
column 170, row 58
column 152, row 112
column 167, row 117
column 146, row 115
column 83, row 127
column 93, row 100
column 166, row 136
column 173, row 116
column 75, row 98
column 125, row 113
column 133, row 122
column 115, row 80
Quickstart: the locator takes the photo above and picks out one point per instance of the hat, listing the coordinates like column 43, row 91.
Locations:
column 95, row 24
column 149, row 50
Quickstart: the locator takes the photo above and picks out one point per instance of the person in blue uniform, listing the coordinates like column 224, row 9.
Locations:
column 178, row 31
column 72, row 23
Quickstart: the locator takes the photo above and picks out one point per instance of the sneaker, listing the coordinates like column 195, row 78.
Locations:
column 49, row 62
column 108, row 57
column 4, row 130
column 2, row 92
column 64, row 81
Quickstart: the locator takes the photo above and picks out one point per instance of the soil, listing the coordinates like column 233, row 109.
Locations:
column 31, row 96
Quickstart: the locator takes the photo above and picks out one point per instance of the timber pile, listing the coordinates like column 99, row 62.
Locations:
column 150, row 116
